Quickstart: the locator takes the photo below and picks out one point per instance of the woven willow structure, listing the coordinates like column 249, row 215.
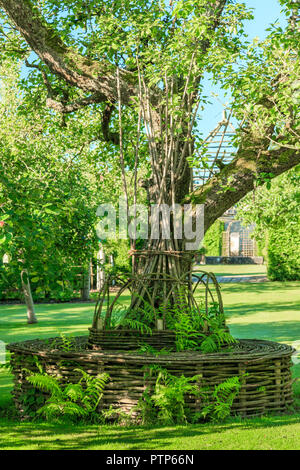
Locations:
column 266, row 387
column 264, row 367
column 182, row 290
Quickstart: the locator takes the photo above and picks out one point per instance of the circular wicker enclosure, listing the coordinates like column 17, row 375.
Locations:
column 129, row 340
column 267, row 387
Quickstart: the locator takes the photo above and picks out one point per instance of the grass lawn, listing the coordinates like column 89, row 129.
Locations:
column 262, row 434
column 264, row 311
column 234, row 269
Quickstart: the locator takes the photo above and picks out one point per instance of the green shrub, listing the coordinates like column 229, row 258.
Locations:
column 212, row 241
column 57, row 282
column 283, row 254
column 119, row 249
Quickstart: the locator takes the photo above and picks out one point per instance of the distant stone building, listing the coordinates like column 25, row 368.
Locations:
column 238, row 246
column 236, row 239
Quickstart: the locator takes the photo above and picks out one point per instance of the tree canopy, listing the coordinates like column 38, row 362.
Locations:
column 89, row 54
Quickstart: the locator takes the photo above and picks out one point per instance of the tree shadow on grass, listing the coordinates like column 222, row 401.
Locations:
column 288, row 331
column 235, row 274
column 134, row 438
column 258, row 288
column 51, row 320
column 267, row 307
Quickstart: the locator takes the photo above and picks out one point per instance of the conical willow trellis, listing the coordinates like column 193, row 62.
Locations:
column 164, row 283
column 104, row 333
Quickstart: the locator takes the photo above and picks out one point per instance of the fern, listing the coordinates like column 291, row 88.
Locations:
column 146, row 348
column 209, row 344
column 45, row 383
column 195, row 328
column 137, row 325
column 64, row 343
column 74, row 392
column 189, row 327
column 119, row 313
column 68, row 401
column 219, row 402
column 53, row 410
column 167, row 402
column 216, row 340
column 94, row 387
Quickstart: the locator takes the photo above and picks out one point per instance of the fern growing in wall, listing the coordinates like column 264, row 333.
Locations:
column 218, row 403
column 72, row 400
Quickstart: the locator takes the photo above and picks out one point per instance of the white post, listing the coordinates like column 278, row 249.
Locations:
column 112, row 264
column 100, row 270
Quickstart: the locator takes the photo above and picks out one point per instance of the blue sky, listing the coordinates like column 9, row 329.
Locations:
column 265, row 13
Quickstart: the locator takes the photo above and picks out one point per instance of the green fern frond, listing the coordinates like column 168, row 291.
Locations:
column 45, row 383
column 73, row 409
column 74, row 392
column 69, row 400
column 209, row 345
column 50, row 410
column 137, row 325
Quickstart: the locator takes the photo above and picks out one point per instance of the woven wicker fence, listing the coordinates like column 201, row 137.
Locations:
column 266, row 387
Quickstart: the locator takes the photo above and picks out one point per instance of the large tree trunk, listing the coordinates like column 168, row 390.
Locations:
column 31, row 318
column 163, row 261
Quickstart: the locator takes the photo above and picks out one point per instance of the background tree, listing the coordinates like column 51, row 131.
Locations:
column 47, row 197
column 275, row 210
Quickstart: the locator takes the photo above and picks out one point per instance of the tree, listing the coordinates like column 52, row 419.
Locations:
column 275, row 211
column 47, row 200
column 144, row 62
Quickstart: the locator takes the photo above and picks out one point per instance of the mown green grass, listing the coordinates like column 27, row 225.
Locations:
column 280, row 432
column 234, row 270
column 263, row 311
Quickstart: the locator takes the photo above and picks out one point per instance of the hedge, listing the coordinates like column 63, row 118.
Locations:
column 212, row 241
column 283, row 254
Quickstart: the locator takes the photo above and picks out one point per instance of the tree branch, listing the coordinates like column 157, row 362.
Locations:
column 97, row 77
column 254, row 162
column 107, row 134
column 239, row 177
column 63, row 107
column 74, row 105
column 214, row 12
